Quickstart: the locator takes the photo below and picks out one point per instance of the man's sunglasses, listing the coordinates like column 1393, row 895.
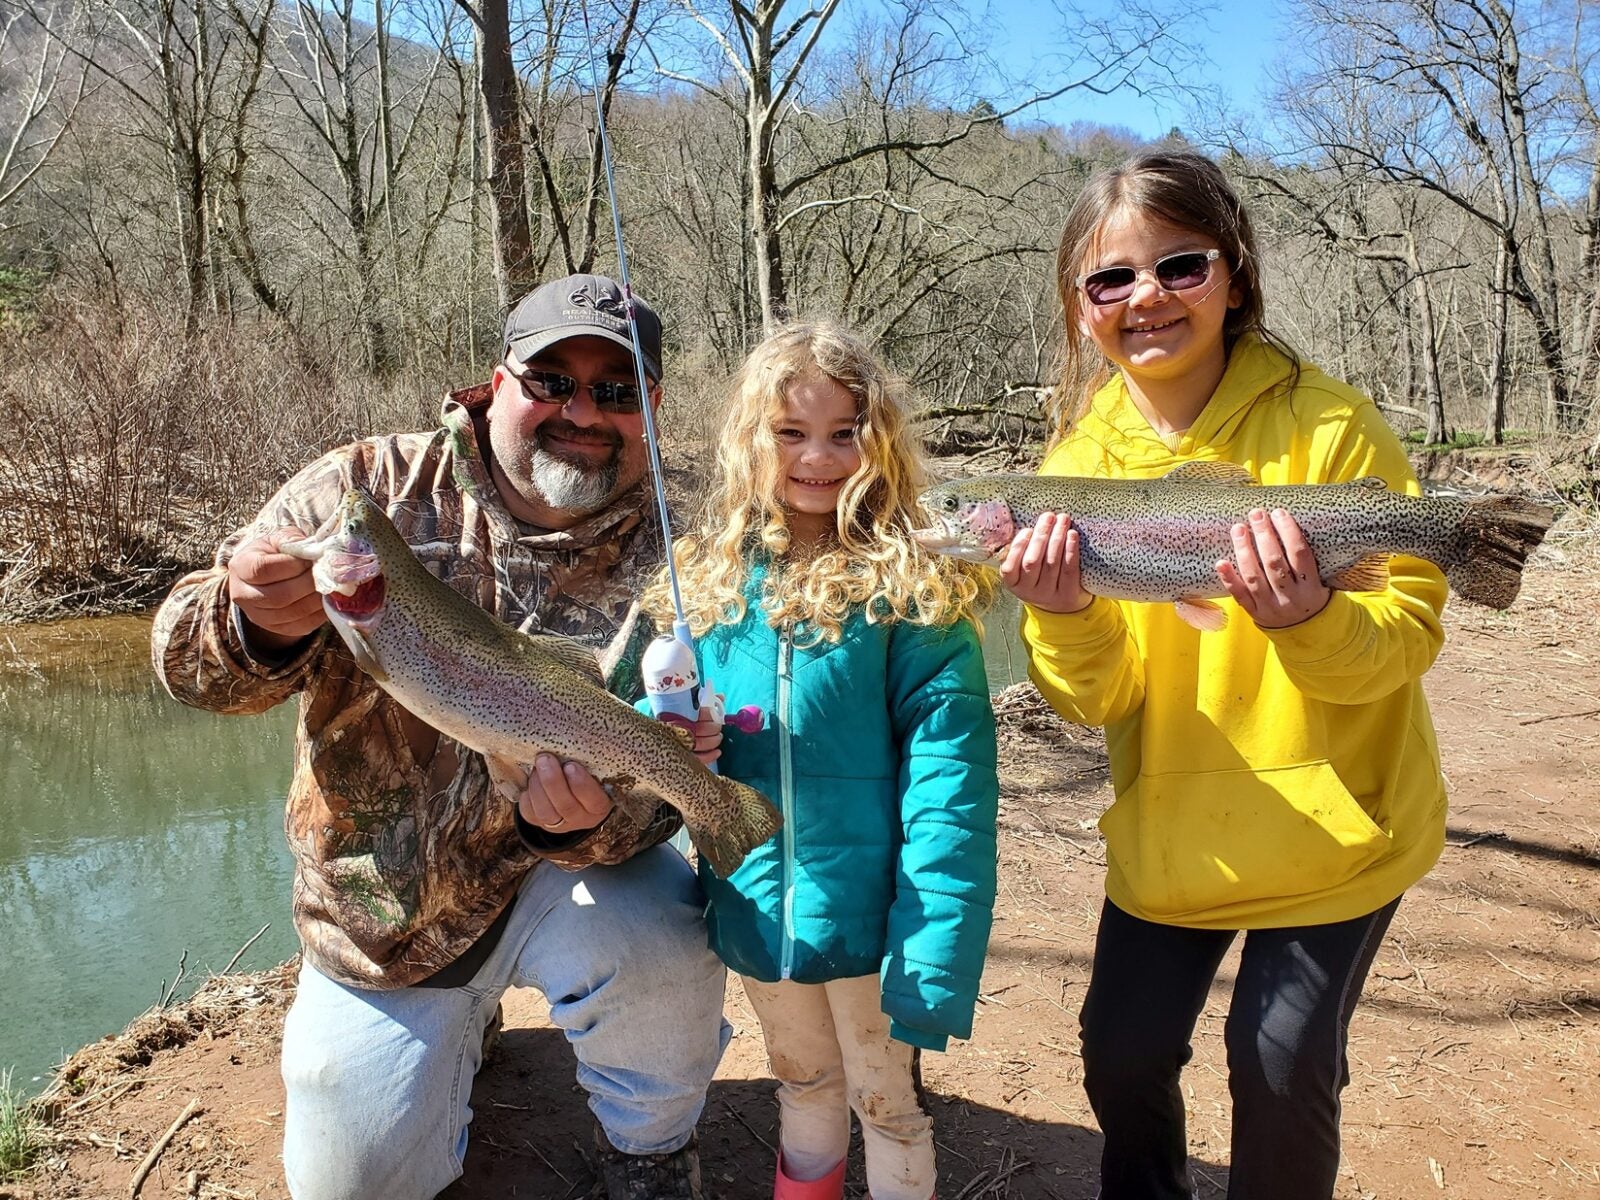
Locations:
column 1174, row 273
column 552, row 387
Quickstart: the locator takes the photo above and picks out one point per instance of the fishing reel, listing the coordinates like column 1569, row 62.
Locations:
column 672, row 682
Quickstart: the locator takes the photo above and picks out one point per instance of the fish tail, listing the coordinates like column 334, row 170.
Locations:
column 753, row 821
column 1496, row 535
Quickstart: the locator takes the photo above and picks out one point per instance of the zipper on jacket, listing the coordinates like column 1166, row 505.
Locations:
column 786, row 800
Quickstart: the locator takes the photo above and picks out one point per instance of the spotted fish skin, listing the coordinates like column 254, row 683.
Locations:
column 1160, row 539
column 509, row 695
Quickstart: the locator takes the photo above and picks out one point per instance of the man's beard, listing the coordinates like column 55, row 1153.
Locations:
column 575, row 484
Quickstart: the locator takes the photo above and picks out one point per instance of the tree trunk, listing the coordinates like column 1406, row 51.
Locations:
column 1499, row 318
column 1433, row 392
column 514, row 270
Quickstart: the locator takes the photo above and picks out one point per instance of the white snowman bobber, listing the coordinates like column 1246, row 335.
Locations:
column 672, row 680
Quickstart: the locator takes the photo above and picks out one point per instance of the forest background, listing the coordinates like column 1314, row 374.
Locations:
column 236, row 232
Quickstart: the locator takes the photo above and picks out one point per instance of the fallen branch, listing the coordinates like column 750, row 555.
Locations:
column 167, row 995
column 739, row 1117
column 1568, row 716
column 149, row 1162
column 245, row 947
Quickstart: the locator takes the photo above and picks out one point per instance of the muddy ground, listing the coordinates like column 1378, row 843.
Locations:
column 1475, row 1055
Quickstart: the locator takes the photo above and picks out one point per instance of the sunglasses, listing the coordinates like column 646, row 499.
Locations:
column 552, row 387
column 1174, row 273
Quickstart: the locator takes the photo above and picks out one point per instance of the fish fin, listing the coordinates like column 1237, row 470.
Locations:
column 639, row 804
column 752, row 821
column 1205, row 615
column 1224, row 473
column 361, row 650
column 1369, row 574
column 569, row 654
column 1375, row 482
column 509, row 778
column 1495, row 537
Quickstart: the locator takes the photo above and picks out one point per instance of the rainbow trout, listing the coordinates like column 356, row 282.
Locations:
column 510, row 695
column 1160, row 539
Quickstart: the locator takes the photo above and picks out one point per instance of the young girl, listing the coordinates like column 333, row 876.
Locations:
column 861, row 928
column 1280, row 777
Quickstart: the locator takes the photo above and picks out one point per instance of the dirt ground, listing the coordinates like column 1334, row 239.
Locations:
column 1475, row 1055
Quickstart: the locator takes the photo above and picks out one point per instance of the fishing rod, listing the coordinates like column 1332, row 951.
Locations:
column 671, row 673
column 680, row 626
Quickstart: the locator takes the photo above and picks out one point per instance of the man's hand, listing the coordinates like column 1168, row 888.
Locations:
column 1041, row 566
column 1276, row 580
column 275, row 592
column 562, row 797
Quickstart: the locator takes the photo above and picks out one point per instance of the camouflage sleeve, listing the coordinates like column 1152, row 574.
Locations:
column 616, row 839
column 196, row 645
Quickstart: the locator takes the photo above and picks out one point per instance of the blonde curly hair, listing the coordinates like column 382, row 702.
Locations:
column 871, row 561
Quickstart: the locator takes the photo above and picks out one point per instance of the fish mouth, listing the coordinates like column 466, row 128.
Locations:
column 341, row 570
column 952, row 543
column 363, row 604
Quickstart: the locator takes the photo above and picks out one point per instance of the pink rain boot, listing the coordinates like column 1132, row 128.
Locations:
column 829, row 1187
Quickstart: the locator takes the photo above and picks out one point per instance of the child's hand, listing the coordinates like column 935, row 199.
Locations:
column 1041, row 566
column 1274, row 577
column 708, row 736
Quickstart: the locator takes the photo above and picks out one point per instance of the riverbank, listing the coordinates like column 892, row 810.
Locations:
column 1473, row 1055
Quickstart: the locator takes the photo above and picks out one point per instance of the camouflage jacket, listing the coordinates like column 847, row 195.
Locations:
column 404, row 854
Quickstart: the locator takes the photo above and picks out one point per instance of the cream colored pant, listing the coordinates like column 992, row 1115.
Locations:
column 831, row 1052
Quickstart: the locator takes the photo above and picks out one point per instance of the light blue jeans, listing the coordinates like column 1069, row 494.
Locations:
column 378, row 1082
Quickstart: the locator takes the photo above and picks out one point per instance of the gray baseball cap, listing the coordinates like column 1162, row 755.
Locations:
column 582, row 306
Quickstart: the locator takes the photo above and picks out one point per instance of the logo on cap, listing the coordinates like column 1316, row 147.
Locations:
column 612, row 306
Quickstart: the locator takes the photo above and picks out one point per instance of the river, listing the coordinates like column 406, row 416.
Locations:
column 135, row 831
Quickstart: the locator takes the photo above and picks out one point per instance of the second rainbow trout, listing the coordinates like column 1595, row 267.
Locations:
column 1160, row 539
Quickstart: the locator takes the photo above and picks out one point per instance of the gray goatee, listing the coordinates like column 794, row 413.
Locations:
column 569, row 485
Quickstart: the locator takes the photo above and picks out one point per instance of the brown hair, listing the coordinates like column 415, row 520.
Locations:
column 1186, row 190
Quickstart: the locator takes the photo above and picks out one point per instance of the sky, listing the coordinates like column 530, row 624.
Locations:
column 1235, row 39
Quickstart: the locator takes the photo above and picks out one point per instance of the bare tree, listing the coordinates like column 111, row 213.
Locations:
column 764, row 51
column 33, row 64
column 1449, row 102
column 338, row 73
column 514, row 268
column 560, row 101
column 174, row 61
column 1336, row 205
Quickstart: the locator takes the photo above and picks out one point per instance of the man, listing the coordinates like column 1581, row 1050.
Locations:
column 420, row 895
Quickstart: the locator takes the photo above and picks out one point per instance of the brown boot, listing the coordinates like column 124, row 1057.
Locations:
column 673, row 1176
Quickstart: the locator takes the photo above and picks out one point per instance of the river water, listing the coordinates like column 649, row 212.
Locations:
column 134, row 831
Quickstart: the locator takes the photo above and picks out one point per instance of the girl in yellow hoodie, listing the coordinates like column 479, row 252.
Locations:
column 1280, row 777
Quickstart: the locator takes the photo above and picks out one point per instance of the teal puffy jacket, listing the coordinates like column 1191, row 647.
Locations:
column 880, row 750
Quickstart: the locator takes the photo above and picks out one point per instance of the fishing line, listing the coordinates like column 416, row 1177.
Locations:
column 680, row 625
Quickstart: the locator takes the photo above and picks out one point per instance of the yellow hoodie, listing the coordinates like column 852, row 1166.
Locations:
column 1264, row 778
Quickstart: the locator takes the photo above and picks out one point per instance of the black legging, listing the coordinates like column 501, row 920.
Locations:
column 1285, row 1036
